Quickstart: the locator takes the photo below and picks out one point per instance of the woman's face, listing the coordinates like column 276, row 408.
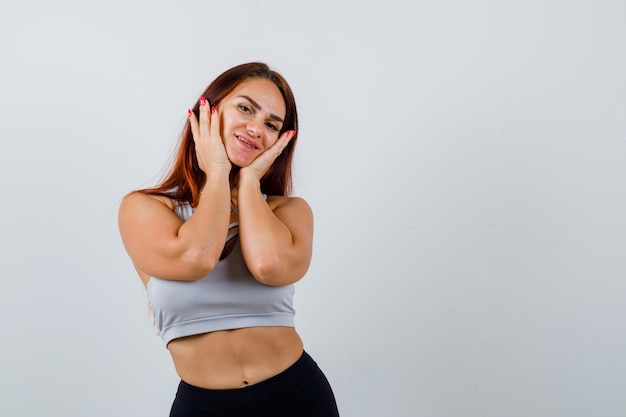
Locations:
column 251, row 117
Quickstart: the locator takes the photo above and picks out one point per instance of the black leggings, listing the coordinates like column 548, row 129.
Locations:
column 301, row 390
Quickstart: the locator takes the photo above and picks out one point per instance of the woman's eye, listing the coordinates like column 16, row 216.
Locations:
column 272, row 126
column 244, row 109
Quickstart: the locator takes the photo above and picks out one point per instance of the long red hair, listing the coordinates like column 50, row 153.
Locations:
column 184, row 178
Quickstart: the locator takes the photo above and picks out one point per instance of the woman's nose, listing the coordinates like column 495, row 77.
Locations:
column 254, row 127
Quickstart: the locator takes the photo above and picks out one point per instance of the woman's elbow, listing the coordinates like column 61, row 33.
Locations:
column 275, row 272
column 199, row 263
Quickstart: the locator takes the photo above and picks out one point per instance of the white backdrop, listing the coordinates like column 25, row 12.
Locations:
column 465, row 162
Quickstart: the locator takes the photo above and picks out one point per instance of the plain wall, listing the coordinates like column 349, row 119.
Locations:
column 465, row 162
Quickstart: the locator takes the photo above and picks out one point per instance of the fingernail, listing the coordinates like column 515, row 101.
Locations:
column 213, row 110
column 293, row 133
column 202, row 101
column 189, row 112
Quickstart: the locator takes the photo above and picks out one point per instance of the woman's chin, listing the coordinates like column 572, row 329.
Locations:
column 239, row 163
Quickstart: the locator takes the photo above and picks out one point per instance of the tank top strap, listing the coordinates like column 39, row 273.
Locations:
column 183, row 210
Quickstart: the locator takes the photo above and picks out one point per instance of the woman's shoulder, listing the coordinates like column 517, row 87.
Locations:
column 141, row 199
column 281, row 202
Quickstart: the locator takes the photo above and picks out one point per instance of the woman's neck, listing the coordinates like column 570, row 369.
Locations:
column 234, row 181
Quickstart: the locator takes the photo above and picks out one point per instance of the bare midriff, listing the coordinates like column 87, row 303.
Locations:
column 236, row 358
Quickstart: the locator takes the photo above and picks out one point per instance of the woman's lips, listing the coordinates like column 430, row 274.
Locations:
column 246, row 142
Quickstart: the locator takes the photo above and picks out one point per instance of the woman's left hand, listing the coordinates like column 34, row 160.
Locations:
column 263, row 162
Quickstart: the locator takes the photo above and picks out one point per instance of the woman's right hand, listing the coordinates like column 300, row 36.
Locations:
column 210, row 151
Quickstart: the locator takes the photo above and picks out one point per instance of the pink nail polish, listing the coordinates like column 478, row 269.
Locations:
column 213, row 110
column 202, row 101
column 189, row 112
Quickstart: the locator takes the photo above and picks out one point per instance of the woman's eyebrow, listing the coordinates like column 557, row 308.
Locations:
column 258, row 107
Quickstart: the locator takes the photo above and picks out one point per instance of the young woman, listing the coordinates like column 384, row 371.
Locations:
column 219, row 244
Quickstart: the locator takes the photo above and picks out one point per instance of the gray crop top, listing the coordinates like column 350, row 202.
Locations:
column 227, row 298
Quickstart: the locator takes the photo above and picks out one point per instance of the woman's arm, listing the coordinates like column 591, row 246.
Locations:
column 162, row 245
column 157, row 240
column 277, row 235
column 276, row 243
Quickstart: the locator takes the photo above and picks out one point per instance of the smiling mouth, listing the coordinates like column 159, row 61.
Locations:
column 247, row 144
